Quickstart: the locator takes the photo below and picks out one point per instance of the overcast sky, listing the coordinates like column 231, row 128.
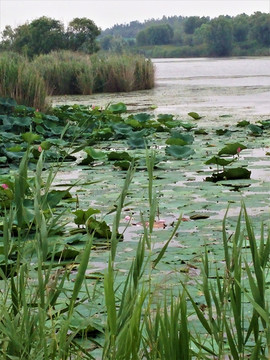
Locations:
column 106, row 13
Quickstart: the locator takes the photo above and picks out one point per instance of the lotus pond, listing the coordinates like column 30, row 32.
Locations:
column 83, row 179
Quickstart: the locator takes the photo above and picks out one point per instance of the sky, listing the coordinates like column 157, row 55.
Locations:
column 106, row 13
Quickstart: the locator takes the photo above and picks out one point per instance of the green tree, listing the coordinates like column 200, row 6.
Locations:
column 240, row 27
column 260, row 28
column 219, row 36
column 155, row 35
column 82, row 34
column 193, row 22
column 38, row 37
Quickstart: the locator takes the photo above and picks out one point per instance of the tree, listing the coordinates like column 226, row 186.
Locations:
column 82, row 34
column 219, row 36
column 155, row 35
column 260, row 28
column 194, row 22
column 240, row 27
column 38, row 37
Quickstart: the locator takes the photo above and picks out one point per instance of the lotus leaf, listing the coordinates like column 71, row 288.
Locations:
column 83, row 215
column 163, row 118
column 142, row 117
column 243, row 123
column 136, row 142
column 186, row 137
column 93, row 155
column 218, row 161
column 225, row 132
column 176, row 141
column 117, row 108
column 122, row 164
column 30, row 137
column 119, row 155
column 231, row 149
column 99, row 228
column 255, row 130
column 230, row 174
column 194, row 115
column 179, row 152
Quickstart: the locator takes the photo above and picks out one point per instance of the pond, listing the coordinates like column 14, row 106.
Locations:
column 238, row 86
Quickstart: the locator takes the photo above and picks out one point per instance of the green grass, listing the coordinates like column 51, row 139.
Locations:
column 66, row 72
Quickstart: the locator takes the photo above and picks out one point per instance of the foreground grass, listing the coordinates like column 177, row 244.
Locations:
column 54, row 304
column 43, row 314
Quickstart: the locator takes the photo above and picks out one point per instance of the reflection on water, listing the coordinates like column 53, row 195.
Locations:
column 238, row 86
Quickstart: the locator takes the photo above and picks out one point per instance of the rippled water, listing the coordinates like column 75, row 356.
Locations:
column 212, row 87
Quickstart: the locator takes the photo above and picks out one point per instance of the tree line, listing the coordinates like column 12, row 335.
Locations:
column 174, row 36
column 43, row 35
column 194, row 35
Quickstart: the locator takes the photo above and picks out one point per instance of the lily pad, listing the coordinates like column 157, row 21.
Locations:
column 118, row 108
column 179, row 152
column 194, row 115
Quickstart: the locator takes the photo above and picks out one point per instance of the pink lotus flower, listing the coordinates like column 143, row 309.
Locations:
column 4, row 186
column 40, row 148
column 238, row 150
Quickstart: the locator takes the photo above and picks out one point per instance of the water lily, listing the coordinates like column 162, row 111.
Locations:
column 4, row 186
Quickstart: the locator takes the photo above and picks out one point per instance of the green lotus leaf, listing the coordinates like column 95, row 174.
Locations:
column 255, row 130
column 117, row 108
column 122, row 129
column 232, row 149
column 119, row 155
column 215, row 160
column 188, row 126
column 163, row 118
column 186, row 137
column 122, row 164
column 100, row 229
column 173, row 124
column 136, row 142
column 133, row 123
column 222, row 132
column 45, row 145
column 230, row 174
column 243, row 123
column 194, row 115
column 30, row 137
column 83, row 215
column 200, row 132
column 93, row 155
column 176, row 141
column 179, row 152
column 142, row 117
column 16, row 148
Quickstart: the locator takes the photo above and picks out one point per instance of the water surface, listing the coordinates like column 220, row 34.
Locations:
column 212, row 87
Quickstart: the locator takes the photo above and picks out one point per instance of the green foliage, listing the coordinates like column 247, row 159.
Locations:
column 155, row 35
column 43, row 35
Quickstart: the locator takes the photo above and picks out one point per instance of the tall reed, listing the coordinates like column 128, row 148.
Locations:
column 20, row 80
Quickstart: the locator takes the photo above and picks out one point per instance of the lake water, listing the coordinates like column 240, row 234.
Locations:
column 211, row 87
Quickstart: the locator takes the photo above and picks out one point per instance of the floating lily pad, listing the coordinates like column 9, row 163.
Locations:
column 216, row 160
column 230, row 174
column 118, row 108
column 194, row 115
column 179, row 152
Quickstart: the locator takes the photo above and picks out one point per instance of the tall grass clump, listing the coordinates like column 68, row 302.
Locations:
column 122, row 73
column 21, row 81
column 66, row 72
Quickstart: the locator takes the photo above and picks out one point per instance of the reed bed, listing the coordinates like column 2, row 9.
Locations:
column 20, row 80
column 69, row 73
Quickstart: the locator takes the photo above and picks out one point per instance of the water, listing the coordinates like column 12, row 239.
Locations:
column 212, row 87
